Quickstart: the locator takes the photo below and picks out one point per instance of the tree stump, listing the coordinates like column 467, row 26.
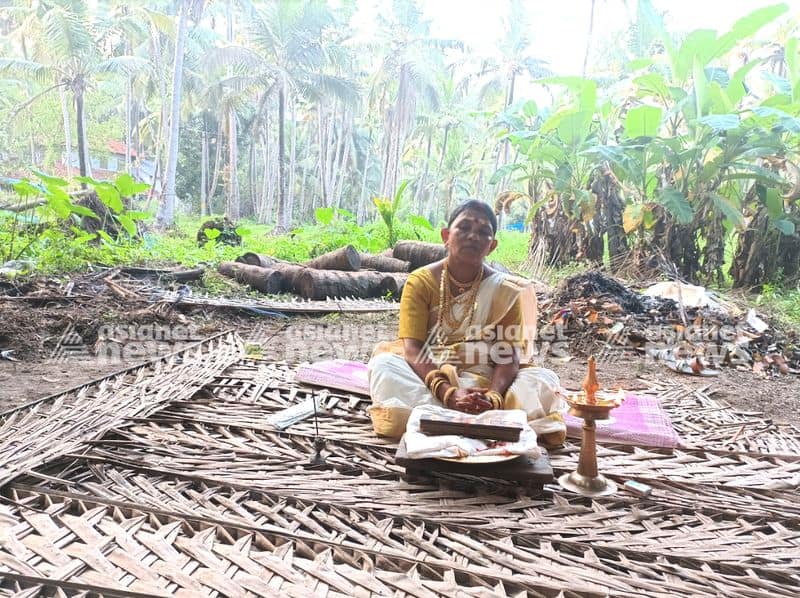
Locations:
column 262, row 279
column 227, row 232
column 392, row 284
column 279, row 278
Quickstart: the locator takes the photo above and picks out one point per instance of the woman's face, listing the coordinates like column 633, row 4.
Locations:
column 470, row 237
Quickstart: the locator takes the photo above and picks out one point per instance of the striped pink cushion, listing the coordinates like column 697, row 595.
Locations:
column 336, row 373
column 640, row 420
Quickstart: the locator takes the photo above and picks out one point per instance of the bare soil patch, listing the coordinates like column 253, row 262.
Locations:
column 34, row 329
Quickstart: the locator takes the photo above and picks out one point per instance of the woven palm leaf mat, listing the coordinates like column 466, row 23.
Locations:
column 58, row 424
column 200, row 496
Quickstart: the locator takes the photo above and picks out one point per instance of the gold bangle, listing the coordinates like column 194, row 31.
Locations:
column 436, row 383
column 431, row 375
column 448, row 394
column 496, row 399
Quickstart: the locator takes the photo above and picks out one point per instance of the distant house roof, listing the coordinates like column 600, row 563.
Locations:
column 100, row 174
column 118, row 147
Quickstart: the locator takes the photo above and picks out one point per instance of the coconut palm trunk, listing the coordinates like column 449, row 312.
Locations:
column 282, row 207
column 166, row 212
column 304, row 175
column 322, row 138
column 232, row 206
column 81, row 124
column 588, row 40
column 163, row 124
column 435, row 196
column 361, row 214
column 67, row 131
column 292, row 167
column 420, row 190
column 128, row 115
column 212, row 188
column 232, row 203
column 204, row 172
column 128, row 132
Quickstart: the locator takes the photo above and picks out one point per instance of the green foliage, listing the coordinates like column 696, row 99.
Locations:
column 60, row 218
column 784, row 304
column 511, row 250
column 683, row 148
column 642, row 121
column 677, row 141
column 388, row 210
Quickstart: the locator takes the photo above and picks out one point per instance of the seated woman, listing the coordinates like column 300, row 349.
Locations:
column 461, row 334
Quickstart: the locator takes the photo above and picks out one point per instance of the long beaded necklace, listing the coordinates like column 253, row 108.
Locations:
column 447, row 301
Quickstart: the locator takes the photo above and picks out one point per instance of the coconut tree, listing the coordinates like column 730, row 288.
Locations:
column 286, row 56
column 61, row 48
column 588, row 39
column 405, row 80
column 166, row 212
column 516, row 59
column 145, row 31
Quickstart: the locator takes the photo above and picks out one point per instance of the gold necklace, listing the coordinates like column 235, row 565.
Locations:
column 446, row 301
column 463, row 286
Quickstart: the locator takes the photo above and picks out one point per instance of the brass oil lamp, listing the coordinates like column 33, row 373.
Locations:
column 590, row 406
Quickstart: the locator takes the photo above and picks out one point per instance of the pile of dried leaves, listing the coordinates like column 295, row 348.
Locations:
column 599, row 315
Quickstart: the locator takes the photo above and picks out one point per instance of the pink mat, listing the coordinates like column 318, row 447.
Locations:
column 639, row 420
column 336, row 373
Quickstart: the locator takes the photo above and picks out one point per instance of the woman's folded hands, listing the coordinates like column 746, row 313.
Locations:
column 471, row 400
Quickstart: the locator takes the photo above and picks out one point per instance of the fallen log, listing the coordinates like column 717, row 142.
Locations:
column 418, row 253
column 321, row 284
column 262, row 279
column 383, row 263
column 278, row 278
column 345, row 258
column 35, row 203
column 23, row 207
column 256, row 259
column 393, row 283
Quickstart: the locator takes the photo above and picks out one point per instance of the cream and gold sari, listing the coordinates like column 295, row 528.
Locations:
column 471, row 350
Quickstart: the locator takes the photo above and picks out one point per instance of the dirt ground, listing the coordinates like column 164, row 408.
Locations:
column 60, row 344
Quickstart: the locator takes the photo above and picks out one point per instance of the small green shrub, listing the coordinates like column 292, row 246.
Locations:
column 781, row 303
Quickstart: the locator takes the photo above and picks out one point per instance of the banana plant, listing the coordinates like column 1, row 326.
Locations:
column 557, row 172
column 689, row 152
